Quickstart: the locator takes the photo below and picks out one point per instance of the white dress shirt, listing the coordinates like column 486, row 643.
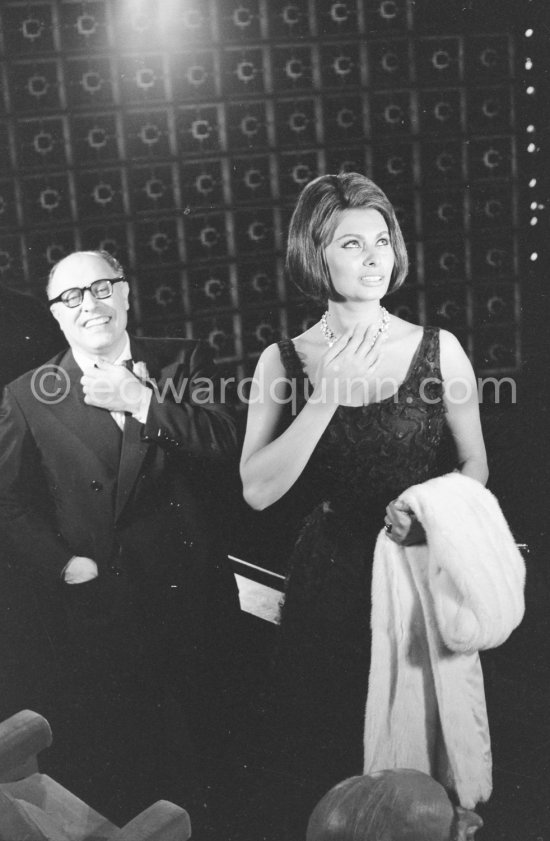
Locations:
column 86, row 364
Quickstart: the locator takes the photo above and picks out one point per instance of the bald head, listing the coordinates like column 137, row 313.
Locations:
column 73, row 259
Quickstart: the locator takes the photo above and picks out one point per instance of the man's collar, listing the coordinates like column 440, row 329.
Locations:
column 86, row 362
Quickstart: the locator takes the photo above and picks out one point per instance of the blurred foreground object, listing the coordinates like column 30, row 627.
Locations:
column 34, row 807
column 396, row 805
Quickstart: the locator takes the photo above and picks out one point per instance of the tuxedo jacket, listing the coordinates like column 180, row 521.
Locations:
column 28, row 334
column 72, row 483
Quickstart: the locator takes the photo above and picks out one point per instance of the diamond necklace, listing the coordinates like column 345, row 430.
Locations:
column 331, row 336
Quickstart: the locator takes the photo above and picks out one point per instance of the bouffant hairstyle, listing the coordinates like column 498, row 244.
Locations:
column 314, row 221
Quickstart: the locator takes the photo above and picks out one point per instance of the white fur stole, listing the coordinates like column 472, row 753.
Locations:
column 434, row 607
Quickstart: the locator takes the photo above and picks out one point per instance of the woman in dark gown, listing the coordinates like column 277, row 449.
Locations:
column 355, row 409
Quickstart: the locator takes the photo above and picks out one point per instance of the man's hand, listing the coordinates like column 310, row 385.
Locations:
column 113, row 387
column 79, row 570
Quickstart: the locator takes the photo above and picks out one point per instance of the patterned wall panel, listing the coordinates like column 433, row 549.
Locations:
column 178, row 133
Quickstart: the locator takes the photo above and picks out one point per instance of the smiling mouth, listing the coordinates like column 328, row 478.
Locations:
column 372, row 278
column 98, row 321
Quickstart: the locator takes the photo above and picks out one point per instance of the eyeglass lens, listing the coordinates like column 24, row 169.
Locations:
column 102, row 288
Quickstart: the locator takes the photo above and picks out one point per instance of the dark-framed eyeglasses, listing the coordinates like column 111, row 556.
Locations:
column 101, row 288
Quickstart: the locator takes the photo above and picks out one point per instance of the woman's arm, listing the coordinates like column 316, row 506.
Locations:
column 462, row 404
column 271, row 463
column 461, row 401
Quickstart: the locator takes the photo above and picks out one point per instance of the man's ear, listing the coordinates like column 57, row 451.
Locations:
column 467, row 825
column 126, row 293
column 55, row 314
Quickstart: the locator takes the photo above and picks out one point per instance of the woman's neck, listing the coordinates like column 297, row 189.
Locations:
column 344, row 316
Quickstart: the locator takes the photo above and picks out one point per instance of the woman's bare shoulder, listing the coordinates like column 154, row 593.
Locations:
column 311, row 336
column 402, row 329
column 309, row 344
column 450, row 345
column 270, row 358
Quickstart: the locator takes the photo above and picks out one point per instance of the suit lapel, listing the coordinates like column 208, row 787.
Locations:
column 94, row 427
column 141, row 353
column 133, row 452
column 134, row 449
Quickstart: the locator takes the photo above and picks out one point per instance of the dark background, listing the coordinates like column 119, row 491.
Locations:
column 177, row 134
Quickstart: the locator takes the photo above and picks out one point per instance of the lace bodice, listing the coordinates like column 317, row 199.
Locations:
column 369, row 454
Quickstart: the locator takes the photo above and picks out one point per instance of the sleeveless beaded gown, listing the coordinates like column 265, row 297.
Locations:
column 366, row 457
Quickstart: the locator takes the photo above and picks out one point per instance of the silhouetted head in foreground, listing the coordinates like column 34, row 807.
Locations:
column 399, row 805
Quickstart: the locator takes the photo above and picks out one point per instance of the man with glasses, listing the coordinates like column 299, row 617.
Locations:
column 103, row 455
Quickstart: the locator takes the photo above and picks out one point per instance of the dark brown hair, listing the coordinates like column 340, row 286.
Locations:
column 313, row 223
